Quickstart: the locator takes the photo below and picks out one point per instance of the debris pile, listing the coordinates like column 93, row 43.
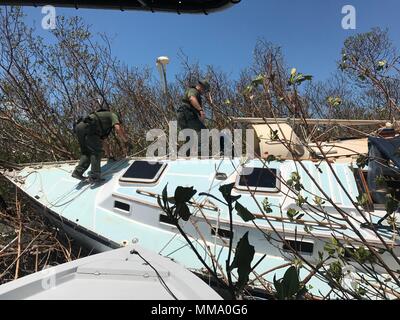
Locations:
column 28, row 243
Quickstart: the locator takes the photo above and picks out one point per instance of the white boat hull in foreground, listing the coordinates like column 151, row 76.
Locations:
column 130, row 273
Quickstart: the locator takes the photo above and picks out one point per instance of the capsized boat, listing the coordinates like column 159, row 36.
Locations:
column 125, row 208
column 129, row 273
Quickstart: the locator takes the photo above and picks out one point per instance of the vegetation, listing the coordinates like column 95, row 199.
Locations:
column 28, row 242
column 45, row 88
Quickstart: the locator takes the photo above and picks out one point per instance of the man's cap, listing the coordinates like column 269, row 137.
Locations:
column 205, row 83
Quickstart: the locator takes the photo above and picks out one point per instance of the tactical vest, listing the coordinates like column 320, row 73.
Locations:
column 99, row 125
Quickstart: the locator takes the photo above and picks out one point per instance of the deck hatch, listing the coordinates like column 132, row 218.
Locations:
column 260, row 179
column 143, row 172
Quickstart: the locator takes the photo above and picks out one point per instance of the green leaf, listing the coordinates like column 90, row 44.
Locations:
column 318, row 201
column 392, row 221
column 292, row 213
column 183, row 195
column 165, row 194
column 171, row 200
column 333, row 247
column 259, row 80
column 299, row 78
column 380, row 181
column 244, row 255
column 274, row 135
column 308, row 229
column 362, row 161
column 226, row 191
column 163, row 201
column 330, row 249
column 343, row 66
column 182, row 210
column 245, row 214
column 289, row 286
column 279, row 288
column 291, row 281
column 295, row 181
column 300, row 201
column 248, row 90
column 381, row 65
column 363, row 200
column 271, row 158
column 391, row 204
column 363, row 255
column 362, row 292
column 334, row 102
column 336, row 270
column 267, row 206
column 295, row 176
column 320, row 255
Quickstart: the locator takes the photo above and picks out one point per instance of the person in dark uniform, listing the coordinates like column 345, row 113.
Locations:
column 191, row 113
column 91, row 133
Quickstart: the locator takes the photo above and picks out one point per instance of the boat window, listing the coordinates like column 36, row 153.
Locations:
column 221, row 232
column 167, row 220
column 299, row 246
column 143, row 172
column 122, row 206
column 260, row 179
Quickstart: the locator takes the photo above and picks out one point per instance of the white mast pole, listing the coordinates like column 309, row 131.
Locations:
column 162, row 63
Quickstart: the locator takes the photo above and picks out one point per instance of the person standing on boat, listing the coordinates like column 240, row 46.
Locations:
column 91, row 133
column 191, row 114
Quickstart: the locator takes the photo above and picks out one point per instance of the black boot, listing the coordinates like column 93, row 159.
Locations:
column 78, row 176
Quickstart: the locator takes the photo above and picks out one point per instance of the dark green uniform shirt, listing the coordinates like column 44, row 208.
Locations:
column 105, row 122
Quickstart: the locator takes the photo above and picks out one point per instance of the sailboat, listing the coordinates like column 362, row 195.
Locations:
column 303, row 197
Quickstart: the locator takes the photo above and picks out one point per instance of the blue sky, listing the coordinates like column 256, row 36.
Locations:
column 309, row 31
